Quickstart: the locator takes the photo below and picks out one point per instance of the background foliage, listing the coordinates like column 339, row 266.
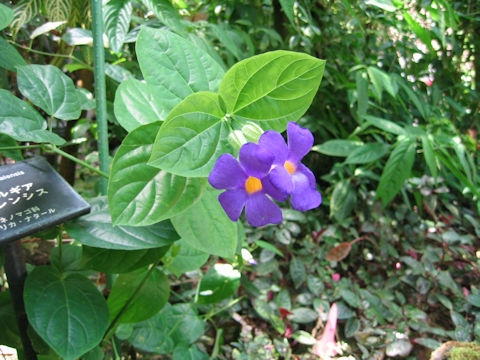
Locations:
column 395, row 120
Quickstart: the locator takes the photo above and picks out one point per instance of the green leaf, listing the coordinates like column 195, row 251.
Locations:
column 9, row 335
column 362, row 94
column 206, row 227
column 166, row 13
column 138, row 103
column 25, row 11
column 7, row 141
column 350, row 298
column 428, row 342
column 23, row 123
column 9, row 56
column 367, row 153
column 342, row 201
column 118, row 73
column 386, row 5
column 50, row 89
column 303, row 315
column 120, row 261
column 176, row 65
column 429, row 155
column 287, row 7
column 381, row 81
column 422, row 34
column 140, row 194
column 192, row 138
column 116, row 15
column 386, row 125
column 189, row 353
column 45, row 28
column 85, row 97
column 219, row 283
column 276, row 86
column 96, row 230
column 6, row 16
column 58, row 10
column 397, row 170
column 173, row 326
column 66, row 310
column 270, row 247
column 338, row 147
column 70, row 258
column 297, row 272
column 141, row 306
column 188, row 259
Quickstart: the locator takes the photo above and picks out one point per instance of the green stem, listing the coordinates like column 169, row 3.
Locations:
column 111, row 329
column 20, row 147
column 100, row 89
column 50, row 54
column 54, row 149
column 230, row 304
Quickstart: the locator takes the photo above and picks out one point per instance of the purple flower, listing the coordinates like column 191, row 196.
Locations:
column 288, row 175
column 244, row 182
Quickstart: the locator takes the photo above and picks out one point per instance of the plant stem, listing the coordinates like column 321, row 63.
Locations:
column 230, row 304
column 111, row 328
column 54, row 149
column 100, row 88
column 50, row 54
column 20, row 147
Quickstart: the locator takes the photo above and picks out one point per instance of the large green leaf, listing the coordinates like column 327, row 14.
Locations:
column 9, row 335
column 397, row 170
column 381, row 81
column 338, row 147
column 140, row 194
column 96, row 230
column 66, row 310
column 367, row 153
column 219, row 283
column 141, row 306
column 342, row 201
column 23, row 123
column 206, row 227
column 187, row 259
column 176, row 65
column 116, row 15
column 167, row 14
column 174, row 325
column 6, row 16
column 138, row 103
column 275, row 86
column 9, row 56
column 193, row 137
column 50, row 89
column 120, row 261
column 386, row 125
column 183, row 352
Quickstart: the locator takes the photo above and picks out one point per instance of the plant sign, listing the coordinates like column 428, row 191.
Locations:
column 34, row 197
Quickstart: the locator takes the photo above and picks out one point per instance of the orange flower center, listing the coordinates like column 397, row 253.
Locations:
column 252, row 185
column 289, row 166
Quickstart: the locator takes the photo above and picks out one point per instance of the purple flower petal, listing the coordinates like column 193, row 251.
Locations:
column 233, row 202
column 275, row 143
column 261, row 211
column 281, row 179
column 255, row 160
column 227, row 173
column 308, row 173
column 300, row 141
column 303, row 196
column 271, row 190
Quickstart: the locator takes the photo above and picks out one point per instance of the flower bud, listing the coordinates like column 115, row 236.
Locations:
column 237, row 139
column 252, row 131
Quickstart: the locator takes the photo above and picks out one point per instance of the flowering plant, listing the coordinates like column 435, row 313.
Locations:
column 270, row 168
